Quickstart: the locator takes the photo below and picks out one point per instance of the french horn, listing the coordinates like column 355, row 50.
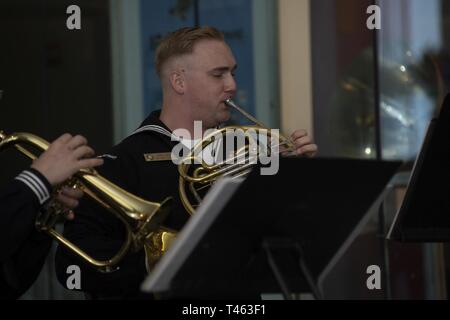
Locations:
column 197, row 176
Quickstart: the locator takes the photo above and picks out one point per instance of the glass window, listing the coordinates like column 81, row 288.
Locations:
column 343, row 75
column 410, row 42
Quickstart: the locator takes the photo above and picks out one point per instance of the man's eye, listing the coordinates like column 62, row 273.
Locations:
column 217, row 75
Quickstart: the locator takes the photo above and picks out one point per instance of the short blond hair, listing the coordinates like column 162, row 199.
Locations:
column 182, row 42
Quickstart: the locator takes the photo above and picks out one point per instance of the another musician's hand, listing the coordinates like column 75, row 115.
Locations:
column 304, row 146
column 69, row 198
column 64, row 157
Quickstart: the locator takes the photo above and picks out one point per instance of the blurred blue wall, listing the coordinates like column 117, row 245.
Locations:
column 233, row 17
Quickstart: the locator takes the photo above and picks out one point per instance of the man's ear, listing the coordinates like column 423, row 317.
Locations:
column 177, row 81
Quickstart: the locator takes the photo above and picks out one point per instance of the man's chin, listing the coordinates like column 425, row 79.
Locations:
column 224, row 116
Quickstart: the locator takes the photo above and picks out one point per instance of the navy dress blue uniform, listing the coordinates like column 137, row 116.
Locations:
column 23, row 249
column 101, row 234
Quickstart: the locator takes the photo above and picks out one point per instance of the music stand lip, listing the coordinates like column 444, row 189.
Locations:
column 423, row 214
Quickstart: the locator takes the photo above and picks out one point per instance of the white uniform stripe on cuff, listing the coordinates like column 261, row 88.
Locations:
column 32, row 187
column 30, row 180
column 36, row 186
column 39, row 182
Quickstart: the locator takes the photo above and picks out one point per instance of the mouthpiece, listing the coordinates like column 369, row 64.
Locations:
column 231, row 103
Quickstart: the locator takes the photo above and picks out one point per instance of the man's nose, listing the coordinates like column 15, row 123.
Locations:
column 230, row 85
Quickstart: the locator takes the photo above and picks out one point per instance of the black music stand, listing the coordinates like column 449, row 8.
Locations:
column 424, row 215
column 272, row 232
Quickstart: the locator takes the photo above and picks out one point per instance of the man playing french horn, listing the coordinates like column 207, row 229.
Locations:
column 196, row 69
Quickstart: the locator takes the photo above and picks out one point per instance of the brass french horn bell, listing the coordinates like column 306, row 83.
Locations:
column 194, row 180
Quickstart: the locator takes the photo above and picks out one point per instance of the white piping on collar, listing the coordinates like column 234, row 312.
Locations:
column 158, row 129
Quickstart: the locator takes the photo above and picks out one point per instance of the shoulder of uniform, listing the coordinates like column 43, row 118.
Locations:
column 135, row 146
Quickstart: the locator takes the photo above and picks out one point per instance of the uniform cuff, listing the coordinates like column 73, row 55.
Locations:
column 37, row 183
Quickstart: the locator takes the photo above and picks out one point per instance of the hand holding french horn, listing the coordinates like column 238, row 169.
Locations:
column 303, row 144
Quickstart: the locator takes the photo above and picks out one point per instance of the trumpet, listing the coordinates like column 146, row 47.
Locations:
column 141, row 218
column 195, row 181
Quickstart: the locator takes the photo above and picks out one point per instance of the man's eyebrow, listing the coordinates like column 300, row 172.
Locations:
column 222, row 69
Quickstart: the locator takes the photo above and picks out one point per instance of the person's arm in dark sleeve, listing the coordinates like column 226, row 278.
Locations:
column 23, row 249
column 20, row 202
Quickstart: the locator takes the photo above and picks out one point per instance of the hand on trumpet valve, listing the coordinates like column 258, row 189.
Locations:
column 68, row 198
column 59, row 208
column 64, row 157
